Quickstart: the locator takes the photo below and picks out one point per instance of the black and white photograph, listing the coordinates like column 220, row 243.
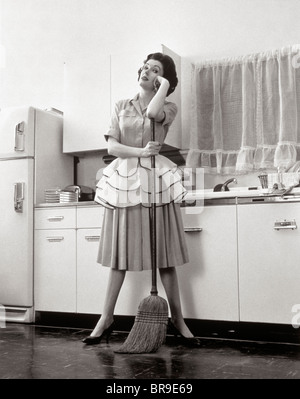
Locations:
column 150, row 192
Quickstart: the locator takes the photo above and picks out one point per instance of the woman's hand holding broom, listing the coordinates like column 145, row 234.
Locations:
column 151, row 149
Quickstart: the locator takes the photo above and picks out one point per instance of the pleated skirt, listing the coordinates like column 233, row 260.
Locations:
column 125, row 242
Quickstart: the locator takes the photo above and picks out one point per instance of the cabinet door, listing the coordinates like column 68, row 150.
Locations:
column 209, row 283
column 174, row 136
column 269, row 272
column 55, row 270
column 87, row 103
column 91, row 276
column 124, row 75
column 92, row 280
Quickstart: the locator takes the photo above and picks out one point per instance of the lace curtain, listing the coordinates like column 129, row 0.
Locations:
column 245, row 113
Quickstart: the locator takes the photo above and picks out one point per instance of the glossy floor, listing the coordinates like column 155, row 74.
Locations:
column 39, row 352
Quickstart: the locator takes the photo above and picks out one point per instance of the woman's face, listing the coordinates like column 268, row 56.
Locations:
column 149, row 73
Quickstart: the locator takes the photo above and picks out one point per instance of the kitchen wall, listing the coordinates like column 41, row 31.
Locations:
column 38, row 36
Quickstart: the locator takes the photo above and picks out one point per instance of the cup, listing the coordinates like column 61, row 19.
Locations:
column 263, row 178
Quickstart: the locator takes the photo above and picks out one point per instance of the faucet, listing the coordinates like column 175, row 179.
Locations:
column 224, row 186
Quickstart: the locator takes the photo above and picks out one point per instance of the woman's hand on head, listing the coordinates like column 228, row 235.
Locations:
column 158, row 81
column 151, row 149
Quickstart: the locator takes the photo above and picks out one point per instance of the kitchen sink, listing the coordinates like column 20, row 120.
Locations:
column 233, row 193
column 238, row 195
column 269, row 199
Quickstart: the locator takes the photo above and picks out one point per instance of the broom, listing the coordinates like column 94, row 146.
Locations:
column 150, row 327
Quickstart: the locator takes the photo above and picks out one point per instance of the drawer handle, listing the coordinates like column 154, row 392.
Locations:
column 55, row 218
column 285, row 225
column 92, row 238
column 193, row 229
column 55, row 239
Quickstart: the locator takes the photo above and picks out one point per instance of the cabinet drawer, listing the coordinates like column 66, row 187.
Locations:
column 90, row 217
column 58, row 218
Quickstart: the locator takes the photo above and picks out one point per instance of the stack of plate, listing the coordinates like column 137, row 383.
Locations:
column 52, row 195
column 68, row 196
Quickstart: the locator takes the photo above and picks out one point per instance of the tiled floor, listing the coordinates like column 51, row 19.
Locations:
column 39, row 352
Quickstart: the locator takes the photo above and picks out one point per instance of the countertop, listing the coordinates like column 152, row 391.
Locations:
column 66, row 204
column 208, row 197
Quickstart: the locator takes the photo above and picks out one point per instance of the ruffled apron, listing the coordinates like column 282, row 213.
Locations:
column 127, row 183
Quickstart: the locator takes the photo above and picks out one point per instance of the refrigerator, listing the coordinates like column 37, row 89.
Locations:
column 31, row 160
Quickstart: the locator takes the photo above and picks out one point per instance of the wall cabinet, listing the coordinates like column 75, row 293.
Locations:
column 87, row 103
column 92, row 87
column 269, row 254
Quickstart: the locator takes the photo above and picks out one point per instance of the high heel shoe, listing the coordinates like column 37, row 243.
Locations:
column 91, row 340
column 187, row 341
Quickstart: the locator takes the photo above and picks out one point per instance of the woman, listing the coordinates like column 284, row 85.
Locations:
column 125, row 239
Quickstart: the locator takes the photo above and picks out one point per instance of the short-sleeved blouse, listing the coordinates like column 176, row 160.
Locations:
column 130, row 126
column 126, row 182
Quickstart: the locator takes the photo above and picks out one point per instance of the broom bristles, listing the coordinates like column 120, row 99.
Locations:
column 150, row 327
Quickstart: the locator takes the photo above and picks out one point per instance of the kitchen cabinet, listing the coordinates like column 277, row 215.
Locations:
column 124, row 84
column 209, row 287
column 269, row 254
column 243, row 263
column 124, row 75
column 91, row 277
column 93, row 85
column 55, row 260
column 68, row 277
column 86, row 103
column 209, row 283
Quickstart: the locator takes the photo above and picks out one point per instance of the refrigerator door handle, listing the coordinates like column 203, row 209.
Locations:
column 19, row 137
column 19, row 196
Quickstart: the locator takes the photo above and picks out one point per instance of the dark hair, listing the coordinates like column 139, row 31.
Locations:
column 169, row 69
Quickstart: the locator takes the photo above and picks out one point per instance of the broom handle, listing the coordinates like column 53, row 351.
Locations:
column 153, row 217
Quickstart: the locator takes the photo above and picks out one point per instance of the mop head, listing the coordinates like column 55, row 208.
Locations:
column 150, row 327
